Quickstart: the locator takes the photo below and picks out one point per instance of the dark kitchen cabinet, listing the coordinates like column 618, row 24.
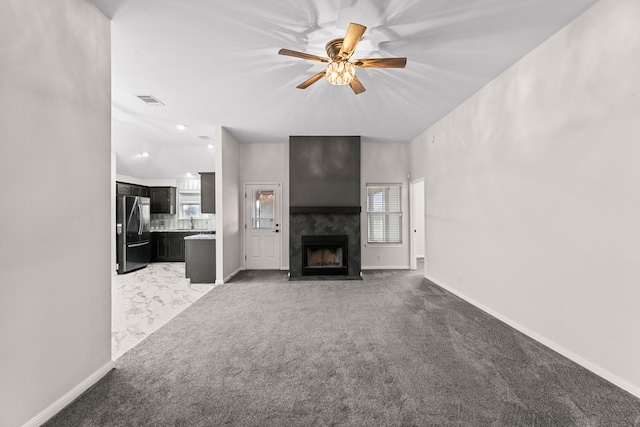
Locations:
column 169, row 247
column 139, row 190
column 208, row 192
column 158, row 247
column 163, row 200
column 123, row 189
column 126, row 189
column 175, row 246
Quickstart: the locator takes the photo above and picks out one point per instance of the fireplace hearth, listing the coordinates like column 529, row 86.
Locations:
column 325, row 255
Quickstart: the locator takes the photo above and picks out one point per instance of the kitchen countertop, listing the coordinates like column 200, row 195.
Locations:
column 203, row 236
column 184, row 230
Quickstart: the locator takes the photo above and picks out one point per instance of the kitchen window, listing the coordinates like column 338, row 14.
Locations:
column 384, row 213
column 189, row 204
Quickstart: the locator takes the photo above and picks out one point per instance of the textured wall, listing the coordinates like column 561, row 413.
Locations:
column 532, row 193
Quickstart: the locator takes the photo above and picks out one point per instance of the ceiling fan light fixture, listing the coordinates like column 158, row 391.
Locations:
column 340, row 72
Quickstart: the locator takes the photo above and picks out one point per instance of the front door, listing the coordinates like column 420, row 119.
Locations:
column 263, row 227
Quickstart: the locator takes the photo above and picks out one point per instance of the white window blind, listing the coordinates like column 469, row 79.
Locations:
column 189, row 198
column 384, row 213
column 189, row 204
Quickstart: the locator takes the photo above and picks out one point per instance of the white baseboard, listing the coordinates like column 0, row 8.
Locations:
column 69, row 397
column 614, row 379
column 385, row 267
column 226, row 279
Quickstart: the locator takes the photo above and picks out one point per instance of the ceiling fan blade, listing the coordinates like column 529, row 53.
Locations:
column 351, row 39
column 302, row 55
column 381, row 63
column 356, row 85
column 311, row 81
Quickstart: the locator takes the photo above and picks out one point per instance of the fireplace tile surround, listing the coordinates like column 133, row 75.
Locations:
column 324, row 224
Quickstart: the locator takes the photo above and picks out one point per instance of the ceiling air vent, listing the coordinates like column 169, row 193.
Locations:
column 204, row 137
column 150, row 100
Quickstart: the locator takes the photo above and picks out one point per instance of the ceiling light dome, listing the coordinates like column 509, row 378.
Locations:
column 340, row 72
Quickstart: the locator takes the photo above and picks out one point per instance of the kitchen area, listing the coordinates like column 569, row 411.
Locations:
column 165, row 253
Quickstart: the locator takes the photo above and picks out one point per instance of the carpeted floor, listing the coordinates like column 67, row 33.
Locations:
column 391, row 350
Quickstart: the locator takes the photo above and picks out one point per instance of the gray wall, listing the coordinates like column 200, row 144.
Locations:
column 228, row 205
column 269, row 162
column 55, row 220
column 386, row 162
column 380, row 163
column 532, row 193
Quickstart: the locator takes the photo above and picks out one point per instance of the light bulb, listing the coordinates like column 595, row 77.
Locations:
column 340, row 72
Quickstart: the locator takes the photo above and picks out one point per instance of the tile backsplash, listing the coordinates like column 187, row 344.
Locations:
column 173, row 222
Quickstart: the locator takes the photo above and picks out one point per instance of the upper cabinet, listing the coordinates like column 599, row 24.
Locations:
column 126, row 189
column 208, row 192
column 144, row 191
column 163, row 200
column 123, row 189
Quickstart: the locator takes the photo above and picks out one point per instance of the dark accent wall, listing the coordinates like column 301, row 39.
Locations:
column 324, row 224
column 324, row 194
column 324, row 171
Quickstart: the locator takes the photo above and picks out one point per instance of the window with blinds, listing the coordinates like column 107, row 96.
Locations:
column 189, row 204
column 384, row 213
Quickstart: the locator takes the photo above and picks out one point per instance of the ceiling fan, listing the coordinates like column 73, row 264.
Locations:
column 340, row 70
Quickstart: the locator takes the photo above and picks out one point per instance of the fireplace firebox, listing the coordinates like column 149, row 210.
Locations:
column 325, row 255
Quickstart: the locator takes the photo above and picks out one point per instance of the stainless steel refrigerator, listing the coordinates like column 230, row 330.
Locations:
column 133, row 233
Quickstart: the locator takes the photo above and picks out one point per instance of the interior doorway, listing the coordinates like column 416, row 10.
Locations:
column 417, row 218
column 262, row 226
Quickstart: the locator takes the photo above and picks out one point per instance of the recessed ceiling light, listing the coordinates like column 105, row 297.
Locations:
column 145, row 154
column 189, row 175
column 210, row 146
column 181, row 127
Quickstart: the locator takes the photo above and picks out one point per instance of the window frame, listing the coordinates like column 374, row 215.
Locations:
column 386, row 214
column 183, row 199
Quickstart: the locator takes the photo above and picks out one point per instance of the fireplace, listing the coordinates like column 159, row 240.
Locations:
column 333, row 226
column 325, row 255
column 324, row 208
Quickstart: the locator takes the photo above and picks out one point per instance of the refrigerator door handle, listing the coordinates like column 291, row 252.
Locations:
column 135, row 245
column 140, row 219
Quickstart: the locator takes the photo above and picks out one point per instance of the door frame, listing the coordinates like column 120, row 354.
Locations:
column 413, row 262
column 246, row 219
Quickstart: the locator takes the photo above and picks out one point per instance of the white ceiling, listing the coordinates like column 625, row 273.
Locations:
column 216, row 62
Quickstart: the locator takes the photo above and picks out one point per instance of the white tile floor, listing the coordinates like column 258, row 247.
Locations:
column 146, row 299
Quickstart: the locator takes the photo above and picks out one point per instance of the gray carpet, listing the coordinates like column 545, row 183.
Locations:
column 391, row 350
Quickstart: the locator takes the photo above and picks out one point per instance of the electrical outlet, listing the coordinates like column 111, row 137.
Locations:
column 378, row 257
